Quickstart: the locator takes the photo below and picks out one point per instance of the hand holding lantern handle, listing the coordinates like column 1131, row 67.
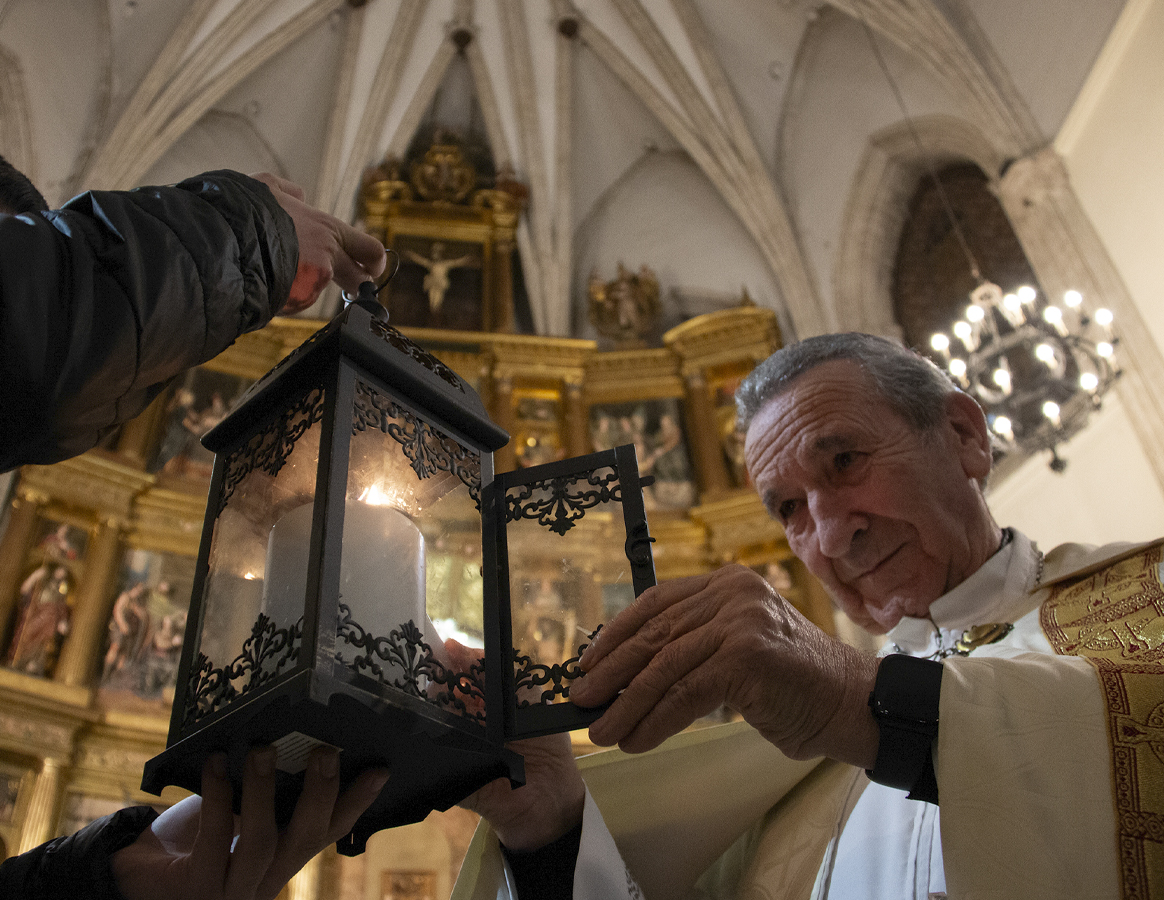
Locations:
column 329, row 249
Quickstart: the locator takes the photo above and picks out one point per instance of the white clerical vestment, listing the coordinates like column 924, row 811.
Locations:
column 1022, row 761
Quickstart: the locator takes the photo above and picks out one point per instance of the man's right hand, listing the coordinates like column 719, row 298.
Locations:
column 688, row 646
column 329, row 249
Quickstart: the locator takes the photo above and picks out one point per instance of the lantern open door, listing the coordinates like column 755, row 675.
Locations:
column 572, row 549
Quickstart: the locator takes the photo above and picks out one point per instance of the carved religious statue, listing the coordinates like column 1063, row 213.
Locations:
column 627, row 308
column 436, row 282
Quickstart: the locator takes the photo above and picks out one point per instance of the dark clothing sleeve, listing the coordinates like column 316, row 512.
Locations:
column 105, row 300
column 548, row 872
column 75, row 866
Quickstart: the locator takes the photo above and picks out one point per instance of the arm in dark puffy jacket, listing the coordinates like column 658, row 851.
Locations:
column 106, row 299
column 77, row 865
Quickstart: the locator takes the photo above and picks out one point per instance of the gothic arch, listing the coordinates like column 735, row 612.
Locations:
column 876, row 208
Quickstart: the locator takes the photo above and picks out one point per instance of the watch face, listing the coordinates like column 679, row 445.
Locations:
column 907, row 690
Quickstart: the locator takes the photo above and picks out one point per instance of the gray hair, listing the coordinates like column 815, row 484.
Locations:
column 913, row 386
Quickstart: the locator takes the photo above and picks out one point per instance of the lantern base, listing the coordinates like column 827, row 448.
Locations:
column 432, row 765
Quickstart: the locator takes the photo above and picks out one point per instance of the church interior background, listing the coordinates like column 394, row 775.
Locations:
column 607, row 211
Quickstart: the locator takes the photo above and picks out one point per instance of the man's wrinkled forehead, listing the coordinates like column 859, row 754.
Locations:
column 845, row 375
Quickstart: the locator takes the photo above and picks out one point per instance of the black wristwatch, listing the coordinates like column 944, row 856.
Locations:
column 905, row 704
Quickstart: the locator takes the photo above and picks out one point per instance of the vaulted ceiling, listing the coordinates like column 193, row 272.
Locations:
column 719, row 141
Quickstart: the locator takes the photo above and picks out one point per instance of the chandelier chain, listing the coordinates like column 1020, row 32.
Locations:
column 924, row 156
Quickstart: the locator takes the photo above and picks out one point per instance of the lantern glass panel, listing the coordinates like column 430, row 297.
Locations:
column 252, row 617
column 410, row 572
column 568, row 574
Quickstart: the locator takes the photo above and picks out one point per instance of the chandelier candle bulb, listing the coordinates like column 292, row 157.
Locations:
column 1072, row 299
column 1103, row 318
column 382, row 577
column 964, row 332
column 941, row 344
column 1012, row 308
column 1053, row 316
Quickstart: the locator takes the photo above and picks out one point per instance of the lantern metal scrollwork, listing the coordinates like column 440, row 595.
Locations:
column 571, row 546
column 356, row 548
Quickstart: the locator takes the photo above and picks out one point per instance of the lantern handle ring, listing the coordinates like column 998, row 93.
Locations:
column 366, row 296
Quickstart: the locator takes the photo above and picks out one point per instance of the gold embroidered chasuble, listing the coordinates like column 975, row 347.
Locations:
column 1114, row 617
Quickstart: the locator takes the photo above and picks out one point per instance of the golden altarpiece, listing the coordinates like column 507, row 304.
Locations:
column 97, row 553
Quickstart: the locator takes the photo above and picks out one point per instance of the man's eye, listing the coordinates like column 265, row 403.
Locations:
column 844, row 459
column 785, row 510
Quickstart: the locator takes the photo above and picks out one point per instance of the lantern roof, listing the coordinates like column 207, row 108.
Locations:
column 367, row 340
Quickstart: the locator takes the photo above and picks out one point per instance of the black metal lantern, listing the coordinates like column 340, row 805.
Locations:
column 353, row 526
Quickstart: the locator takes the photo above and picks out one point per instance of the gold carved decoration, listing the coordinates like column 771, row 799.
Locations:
column 92, row 481
column 444, row 175
column 746, row 332
column 456, row 240
column 36, row 735
column 397, row 884
column 1115, row 619
column 627, row 308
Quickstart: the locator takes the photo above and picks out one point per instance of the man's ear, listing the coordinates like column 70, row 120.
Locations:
column 970, row 433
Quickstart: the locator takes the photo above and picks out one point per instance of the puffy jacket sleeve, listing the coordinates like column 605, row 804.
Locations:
column 77, row 865
column 106, row 299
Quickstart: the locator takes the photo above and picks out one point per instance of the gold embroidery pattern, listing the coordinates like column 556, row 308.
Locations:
column 1135, row 705
column 1115, row 619
column 1116, row 614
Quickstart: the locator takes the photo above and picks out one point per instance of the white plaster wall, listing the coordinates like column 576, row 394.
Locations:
column 601, row 156
column 281, row 101
column 756, row 43
column 1047, row 48
column 666, row 214
column 61, row 46
column 1107, row 493
column 839, row 97
column 216, row 141
column 1113, row 144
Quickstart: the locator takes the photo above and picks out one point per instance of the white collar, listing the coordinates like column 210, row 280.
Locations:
column 999, row 591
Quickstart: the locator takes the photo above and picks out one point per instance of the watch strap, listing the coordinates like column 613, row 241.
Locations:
column 905, row 702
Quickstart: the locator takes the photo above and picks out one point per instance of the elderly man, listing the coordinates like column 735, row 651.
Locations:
column 1043, row 671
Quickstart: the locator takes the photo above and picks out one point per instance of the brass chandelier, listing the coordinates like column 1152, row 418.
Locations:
column 1037, row 368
